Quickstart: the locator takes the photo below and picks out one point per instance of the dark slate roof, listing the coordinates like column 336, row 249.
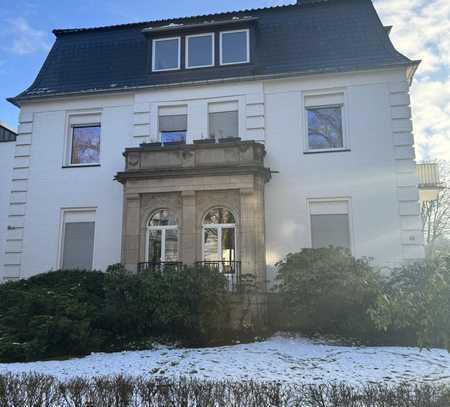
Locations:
column 309, row 37
column 7, row 134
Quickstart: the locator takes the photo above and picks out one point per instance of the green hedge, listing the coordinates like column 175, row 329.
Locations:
column 71, row 312
column 121, row 391
column 328, row 292
column 415, row 306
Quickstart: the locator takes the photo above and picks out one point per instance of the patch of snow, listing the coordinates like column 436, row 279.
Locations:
column 281, row 359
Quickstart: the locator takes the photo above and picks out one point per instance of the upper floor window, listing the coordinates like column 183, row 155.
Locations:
column 200, row 50
column 166, row 54
column 234, row 47
column 223, row 120
column 325, row 123
column 172, row 122
column 83, row 140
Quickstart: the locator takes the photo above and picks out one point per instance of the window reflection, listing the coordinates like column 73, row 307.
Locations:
column 325, row 127
column 85, row 145
column 162, row 235
column 219, row 215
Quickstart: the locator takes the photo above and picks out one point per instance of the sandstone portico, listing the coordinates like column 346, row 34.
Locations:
column 202, row 202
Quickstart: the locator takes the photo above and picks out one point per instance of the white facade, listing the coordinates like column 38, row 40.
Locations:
column 6, row 161
column 375, row 176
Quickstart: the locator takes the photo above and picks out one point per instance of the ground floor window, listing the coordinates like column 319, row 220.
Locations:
column 162, row 237
column 78, row 230
column 330, row 223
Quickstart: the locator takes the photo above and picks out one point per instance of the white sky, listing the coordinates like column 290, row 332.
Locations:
column 422, row 31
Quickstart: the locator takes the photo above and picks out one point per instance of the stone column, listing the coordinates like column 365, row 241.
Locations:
column 131, row 231
column 188, row 229
column 252, row 241
column 247, row 231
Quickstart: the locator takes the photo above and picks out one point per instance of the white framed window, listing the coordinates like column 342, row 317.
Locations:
column 172, row 123
column 223, row 120
column 166, row 54
column 330, row 223
column 83, row 140
column 199, row 50
column 234, row 47
column 77, row 238
column 219, row 235
column 325, row 123
column 162, row 237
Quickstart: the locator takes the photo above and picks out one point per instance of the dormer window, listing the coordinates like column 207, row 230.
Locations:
column 200, row 50
column 166, row 54
column 234, row 47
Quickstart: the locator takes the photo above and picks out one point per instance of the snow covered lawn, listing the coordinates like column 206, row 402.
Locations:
column 293, row 360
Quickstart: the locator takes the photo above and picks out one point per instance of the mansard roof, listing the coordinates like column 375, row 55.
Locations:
column 312, row 36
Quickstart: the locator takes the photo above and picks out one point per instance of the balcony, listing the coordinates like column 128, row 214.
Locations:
column 204, row 157
column 159, row 266
column 230, row 269
column 182, row 185
column 429, row 181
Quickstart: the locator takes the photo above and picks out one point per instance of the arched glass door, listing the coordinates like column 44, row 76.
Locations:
column 162, row 238
column 219, row 240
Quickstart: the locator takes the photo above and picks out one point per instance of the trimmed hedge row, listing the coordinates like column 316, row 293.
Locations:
column 120, row 391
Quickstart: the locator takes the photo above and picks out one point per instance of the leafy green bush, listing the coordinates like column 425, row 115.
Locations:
column 71, row 312
column 327, row 291
column 50, row 314
column 188, row 304
column 415, row 307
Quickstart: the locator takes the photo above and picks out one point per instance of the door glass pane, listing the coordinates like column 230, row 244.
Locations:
column 154, row 246
column 162, row 218
column 218, row 215
column 171, row 245
column 210, row 244
column 228, row 244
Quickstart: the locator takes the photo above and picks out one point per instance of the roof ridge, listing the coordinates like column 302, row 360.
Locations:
column 57, row 32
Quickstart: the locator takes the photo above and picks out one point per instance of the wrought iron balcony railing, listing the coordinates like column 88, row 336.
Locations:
column 159, row 266
column 231, row 270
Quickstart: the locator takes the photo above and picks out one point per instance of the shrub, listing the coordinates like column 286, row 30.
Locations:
column 70, row 313
column 327, row 291
column 51, row 314
column 120, row 391
column 416, row 306
column 188, row 304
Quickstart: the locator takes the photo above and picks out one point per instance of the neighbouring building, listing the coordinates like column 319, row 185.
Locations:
column 7, row 146
column 230, row 139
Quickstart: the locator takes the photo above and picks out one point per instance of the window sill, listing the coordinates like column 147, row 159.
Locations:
column 341, row 150
column 81, row 166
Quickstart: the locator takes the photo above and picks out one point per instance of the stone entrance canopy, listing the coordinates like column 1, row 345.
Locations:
column 188, row 180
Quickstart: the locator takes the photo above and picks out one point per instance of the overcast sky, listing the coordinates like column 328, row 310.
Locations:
column 421, row 31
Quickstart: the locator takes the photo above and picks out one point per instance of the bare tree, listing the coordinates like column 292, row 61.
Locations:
column 436, row 213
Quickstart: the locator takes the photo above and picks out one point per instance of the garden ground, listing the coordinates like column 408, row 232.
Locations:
column 281, row 358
